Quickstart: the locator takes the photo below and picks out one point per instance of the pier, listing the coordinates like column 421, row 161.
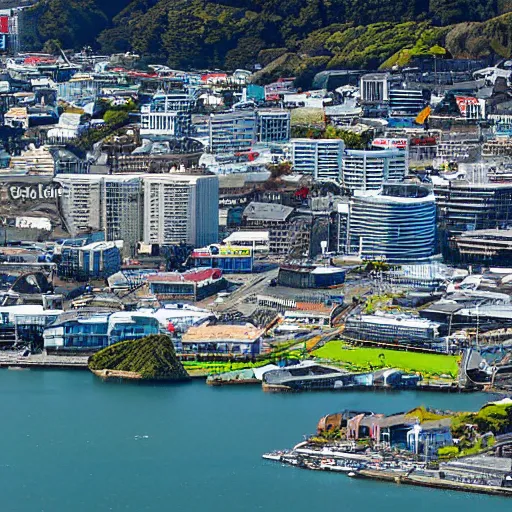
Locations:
column 15, row 360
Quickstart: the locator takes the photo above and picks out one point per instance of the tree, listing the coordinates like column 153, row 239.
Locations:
column 115, row 117
column 52, row 46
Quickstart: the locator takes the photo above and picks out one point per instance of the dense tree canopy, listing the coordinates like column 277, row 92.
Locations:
column 232, row 33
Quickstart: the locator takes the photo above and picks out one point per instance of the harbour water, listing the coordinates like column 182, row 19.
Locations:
column 73, row 443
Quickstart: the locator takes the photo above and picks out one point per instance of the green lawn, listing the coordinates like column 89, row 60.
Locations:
column 358, row 358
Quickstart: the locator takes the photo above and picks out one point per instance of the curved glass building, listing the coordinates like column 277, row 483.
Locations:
column 369, row 169
column 397, row 223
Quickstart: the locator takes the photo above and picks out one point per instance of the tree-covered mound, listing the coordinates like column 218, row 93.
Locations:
column 152, row 357
column 319, row 34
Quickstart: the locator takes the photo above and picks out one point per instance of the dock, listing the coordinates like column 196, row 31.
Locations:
column 14, row 360
column 399, row 477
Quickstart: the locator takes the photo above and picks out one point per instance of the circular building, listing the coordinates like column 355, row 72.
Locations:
column 397, row 223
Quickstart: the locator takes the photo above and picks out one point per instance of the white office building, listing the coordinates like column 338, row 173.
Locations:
column 168, row 114
column 181, row 208
column 369, row 169
column 320, row 158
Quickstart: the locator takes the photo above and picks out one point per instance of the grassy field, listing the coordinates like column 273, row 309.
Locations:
column 360, row 358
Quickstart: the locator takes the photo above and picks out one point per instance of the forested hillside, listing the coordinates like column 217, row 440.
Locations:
column 239, row 33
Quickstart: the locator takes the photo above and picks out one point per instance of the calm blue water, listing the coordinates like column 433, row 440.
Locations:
column 71, row 443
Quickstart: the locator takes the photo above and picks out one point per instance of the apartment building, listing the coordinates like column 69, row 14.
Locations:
column 369, row 169
column 320, row 158
column 181, row 208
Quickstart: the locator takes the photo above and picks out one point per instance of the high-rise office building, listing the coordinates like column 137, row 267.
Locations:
column 397, row 223
column 168, row 114
column 273, row 126
column 232, row 131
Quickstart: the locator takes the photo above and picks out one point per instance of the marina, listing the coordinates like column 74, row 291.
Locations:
column 182, row 450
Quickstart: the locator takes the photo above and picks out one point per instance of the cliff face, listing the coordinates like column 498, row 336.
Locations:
column 150, row 358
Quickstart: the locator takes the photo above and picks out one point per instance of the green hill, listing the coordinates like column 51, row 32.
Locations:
column 150, row 358
column 239, row 33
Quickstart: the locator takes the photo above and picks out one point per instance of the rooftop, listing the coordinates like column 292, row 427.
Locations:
column 222, row 333
column 193, row 276
column 267, row 211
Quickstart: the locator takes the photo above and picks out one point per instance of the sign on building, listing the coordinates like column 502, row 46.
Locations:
column 4, row 24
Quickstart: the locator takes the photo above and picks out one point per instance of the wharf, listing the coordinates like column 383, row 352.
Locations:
column 14, row 360
column 432, row 482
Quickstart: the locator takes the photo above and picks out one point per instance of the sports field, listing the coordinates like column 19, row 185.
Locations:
column 362, row 358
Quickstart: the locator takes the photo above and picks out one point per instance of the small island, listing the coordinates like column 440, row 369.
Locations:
column 150, row 358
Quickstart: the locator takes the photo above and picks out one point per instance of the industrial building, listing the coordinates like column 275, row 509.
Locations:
column 181, row 208
column 397, row 223
column 369, row 169
column 319, row 158
column 232, row 131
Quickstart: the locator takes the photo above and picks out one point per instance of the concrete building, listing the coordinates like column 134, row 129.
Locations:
column 273, row 126
column 232, row 131
column 181, row 208
column 320, row 158
column 80, row 202
column 369, row 169
column 108, row 203
column 397, row 223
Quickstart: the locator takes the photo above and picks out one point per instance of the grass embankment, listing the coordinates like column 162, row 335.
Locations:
column 366, row 359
